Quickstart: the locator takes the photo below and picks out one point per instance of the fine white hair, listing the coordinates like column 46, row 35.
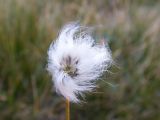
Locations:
column 76, row 62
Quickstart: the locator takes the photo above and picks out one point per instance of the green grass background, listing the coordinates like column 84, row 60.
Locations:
column 132, row 28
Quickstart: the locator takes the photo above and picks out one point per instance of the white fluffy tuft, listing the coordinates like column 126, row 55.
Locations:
column 76, row 62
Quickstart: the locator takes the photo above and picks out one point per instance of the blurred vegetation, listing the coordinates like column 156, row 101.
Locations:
column 132, row 27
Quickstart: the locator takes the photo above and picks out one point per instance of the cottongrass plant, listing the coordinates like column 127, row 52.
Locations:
column 76, row 62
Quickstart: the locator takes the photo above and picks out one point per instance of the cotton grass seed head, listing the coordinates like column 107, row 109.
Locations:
column 76, row 62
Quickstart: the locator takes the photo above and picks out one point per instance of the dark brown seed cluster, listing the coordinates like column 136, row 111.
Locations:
column 69, row 65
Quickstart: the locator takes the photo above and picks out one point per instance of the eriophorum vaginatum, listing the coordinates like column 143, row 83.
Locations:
column 76, row 62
